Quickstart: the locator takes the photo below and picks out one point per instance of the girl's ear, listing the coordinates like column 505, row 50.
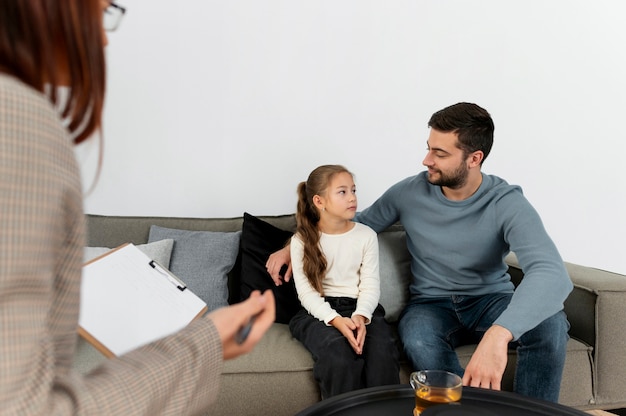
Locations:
column 318, row 201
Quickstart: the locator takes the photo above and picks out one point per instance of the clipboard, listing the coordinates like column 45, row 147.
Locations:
column 127, row 300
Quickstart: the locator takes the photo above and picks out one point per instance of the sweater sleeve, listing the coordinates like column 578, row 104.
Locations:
column 384, row 211
column 546, row 284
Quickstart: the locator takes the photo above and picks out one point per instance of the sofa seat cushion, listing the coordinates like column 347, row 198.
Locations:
column 277, row 351
column 276, row 378
column 577, row 384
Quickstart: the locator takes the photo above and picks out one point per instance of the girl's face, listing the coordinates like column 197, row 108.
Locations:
column 339, row 199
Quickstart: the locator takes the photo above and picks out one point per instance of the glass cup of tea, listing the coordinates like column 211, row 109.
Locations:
column 434, row 387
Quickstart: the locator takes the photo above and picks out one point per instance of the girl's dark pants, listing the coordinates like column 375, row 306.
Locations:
column 338, row 369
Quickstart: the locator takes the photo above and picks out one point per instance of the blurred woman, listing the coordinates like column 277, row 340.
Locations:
column 44, row 45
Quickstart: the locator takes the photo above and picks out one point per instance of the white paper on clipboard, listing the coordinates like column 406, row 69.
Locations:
column 125, row 302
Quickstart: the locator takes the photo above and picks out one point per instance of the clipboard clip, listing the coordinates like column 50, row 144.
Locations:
column 169, row 275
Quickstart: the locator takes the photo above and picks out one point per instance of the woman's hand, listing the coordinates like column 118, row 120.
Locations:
column 229, row 320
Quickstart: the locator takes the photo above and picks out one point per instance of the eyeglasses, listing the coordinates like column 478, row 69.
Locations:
column 113, row 16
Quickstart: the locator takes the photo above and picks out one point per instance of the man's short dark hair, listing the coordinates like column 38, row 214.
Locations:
column 471, row 123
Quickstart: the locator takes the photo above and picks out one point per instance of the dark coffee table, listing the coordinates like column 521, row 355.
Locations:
column 399, row 400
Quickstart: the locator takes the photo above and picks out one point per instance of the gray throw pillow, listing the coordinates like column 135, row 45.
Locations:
column 202, row 260
column 160, row 251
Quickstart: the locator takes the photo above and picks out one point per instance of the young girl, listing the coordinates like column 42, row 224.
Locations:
column 335, row 270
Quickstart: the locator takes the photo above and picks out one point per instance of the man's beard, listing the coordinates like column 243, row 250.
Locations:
column 454, row 180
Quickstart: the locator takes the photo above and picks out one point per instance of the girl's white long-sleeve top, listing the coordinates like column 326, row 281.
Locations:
column 352, row 271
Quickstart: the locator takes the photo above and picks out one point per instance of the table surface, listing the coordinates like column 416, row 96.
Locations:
column 400, row 400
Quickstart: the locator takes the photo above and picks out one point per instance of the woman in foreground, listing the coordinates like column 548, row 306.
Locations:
column 44, row 45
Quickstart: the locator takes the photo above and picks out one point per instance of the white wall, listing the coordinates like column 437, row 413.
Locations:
column 219, row 107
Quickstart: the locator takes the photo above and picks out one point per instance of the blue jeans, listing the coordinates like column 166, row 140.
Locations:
column 431, row 328
column 337, row 368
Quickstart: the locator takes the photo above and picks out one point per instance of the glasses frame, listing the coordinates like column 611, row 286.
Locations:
column 112, row 17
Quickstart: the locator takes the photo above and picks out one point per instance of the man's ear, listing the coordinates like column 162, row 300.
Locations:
column 476, row 158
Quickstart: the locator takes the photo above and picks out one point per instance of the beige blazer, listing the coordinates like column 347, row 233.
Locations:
column 41, row 243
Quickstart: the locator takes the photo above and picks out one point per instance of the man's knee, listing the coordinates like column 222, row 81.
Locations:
column 551, row 333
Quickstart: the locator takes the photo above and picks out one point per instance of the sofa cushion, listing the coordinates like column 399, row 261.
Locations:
column 277, row 351
column 202, row 259
column 160, row 251
column 276, row 378
column 395, row 273
column 576, row 386
column 259, row 239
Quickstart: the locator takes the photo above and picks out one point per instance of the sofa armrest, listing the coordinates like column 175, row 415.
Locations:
column 609, row 316
column 596, row 310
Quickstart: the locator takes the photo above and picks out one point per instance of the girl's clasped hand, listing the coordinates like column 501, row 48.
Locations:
column 353, row 329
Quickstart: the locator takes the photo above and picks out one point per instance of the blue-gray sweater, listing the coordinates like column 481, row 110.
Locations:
column 458, row 247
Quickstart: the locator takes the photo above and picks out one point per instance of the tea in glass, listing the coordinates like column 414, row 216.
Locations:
column 434, row 387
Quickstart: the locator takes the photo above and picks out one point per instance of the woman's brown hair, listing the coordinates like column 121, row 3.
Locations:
column 307, row 217
column 42, row 42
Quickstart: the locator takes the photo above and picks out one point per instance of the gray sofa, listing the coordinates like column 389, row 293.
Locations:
column 276, row 378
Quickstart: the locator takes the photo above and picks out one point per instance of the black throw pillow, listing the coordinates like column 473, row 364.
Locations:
column 259, row 239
